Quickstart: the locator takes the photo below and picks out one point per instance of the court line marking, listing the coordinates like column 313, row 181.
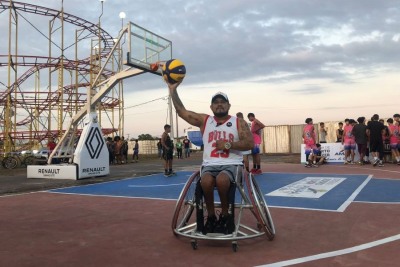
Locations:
column 335, row 253
column 346, row 203
column 155, row 185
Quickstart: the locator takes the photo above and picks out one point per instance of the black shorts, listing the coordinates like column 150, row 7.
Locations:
column 168, row 154
column 376, row 146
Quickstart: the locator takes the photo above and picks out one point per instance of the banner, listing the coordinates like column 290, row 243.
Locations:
column 333, row 152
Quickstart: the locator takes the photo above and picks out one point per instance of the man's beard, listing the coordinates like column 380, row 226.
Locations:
column 221, row 114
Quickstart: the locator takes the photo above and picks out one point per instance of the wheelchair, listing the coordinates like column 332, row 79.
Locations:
column 253, row 218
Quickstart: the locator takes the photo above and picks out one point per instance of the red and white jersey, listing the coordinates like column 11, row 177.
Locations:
column 227, row 131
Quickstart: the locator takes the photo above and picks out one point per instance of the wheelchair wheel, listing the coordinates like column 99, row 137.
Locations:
column 260, row 207
column 185, row 204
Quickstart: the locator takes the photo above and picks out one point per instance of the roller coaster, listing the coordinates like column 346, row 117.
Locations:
column 42, row 87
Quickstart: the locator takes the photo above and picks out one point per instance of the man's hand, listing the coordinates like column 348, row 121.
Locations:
column 172, row 86
column 220, row 145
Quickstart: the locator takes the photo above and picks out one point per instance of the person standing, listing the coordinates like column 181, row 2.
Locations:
column 111, row 147
column 360, row 134
column 322, row 132
column 339, row 133
column 248, row 152
column 135, row 157
column 255, row 128
column 394, row 135
column 124, row 150
column 186, row 146
column 168, row 150
column 374, row 131
column 118, row 149
column 309, row 137
column 348, row 141
column 179, row 146
column 159, row 148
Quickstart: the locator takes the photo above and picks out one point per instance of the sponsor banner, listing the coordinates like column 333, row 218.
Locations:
column 309, row 187
column 333, row 152
column 52, row 171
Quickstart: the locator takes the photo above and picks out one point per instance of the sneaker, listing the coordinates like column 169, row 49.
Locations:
column 225, row 225
column 166, row 174
column 258, row 171
column 352, row 163
column 375, row 162
column 367, row 162
column 398, row 163
column 307, row 165
column 210, row 224
column 346, row 162
column 253, row 170
column 380, row 164
column 314, row 165
column 360, row 163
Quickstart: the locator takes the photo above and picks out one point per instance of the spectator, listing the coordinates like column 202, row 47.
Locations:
column 317, row 155
column 186, row 146
column 374, row 131
column 179, row 148
column 339, row 133
column 309, row 142
column 360, row 134
column 322, row 132
column 348, row 141
column 168, row 150
column 394, row 135
column 135, row 157
column 111, row 148
column 248, row 152
column 124, row 150
column 118, row 149
column 159, row 148
column 256, row 127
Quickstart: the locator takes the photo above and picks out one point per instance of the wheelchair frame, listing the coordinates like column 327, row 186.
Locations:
column 251, row 198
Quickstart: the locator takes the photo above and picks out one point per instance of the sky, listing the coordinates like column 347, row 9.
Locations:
column 283, row 60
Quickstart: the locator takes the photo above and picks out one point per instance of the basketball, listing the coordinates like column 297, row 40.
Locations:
column 174, row 71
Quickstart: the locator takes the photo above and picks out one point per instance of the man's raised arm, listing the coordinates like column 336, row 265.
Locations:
column 191, row 117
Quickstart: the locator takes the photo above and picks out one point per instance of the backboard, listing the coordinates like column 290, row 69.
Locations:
column 146, row 48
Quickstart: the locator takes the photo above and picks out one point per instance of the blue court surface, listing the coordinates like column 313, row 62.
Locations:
column 328, row 192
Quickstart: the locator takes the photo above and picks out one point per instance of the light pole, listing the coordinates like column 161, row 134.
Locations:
column 122, row 15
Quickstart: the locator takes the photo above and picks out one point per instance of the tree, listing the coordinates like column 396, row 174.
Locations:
column 145, row 137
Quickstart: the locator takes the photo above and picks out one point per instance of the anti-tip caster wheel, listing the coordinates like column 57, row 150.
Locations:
column 194, row 244
column 234, row 247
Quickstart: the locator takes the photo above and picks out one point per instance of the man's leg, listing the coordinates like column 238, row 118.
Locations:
column 208, row 184
column 223, row 184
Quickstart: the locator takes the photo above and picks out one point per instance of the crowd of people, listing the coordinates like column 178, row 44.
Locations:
column 118, row 150
column 371, row 139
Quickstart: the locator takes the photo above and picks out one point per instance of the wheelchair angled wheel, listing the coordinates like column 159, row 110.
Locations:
column 185, row 206
column 261, row 210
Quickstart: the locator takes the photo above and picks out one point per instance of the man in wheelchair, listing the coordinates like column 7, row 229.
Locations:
column 224, row 139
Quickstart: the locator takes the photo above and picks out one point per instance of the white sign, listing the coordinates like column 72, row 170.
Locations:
column 60, row 171
column 333, row 152
column 309, row 187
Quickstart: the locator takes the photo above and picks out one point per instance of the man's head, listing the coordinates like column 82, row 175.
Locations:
column 309, row 121
column 361, row 120
column 396, row 117
column 390, row 120
column 251, row 116
column 340, row 124
column 352, row 122
column 239, row 115
column 167, row 128
column 220, row 105
column 375, row 117
column 347, row 121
